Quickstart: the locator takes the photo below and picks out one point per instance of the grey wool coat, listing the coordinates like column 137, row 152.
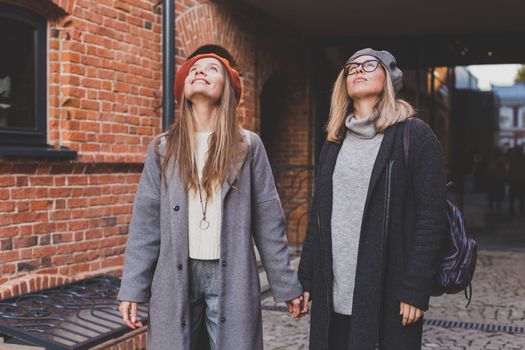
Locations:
column 156, row 257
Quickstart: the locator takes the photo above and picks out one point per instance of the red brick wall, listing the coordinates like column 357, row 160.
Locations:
column 105, row 79
column 134, row 340
column 65, row 220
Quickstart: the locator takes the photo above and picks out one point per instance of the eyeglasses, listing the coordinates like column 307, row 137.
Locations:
column 368, row 66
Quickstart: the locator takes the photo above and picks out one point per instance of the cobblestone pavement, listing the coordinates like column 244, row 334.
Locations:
column 498, row 301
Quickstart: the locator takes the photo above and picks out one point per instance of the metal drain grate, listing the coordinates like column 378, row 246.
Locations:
column 484, row 327
column 76, row 316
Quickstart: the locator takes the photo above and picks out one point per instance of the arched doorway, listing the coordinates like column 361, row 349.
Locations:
column 285, row 128
column 274, row 128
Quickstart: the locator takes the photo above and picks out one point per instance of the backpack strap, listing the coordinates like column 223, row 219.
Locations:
column 468, row 295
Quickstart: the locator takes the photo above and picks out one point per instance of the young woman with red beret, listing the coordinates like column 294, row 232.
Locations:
column 205, row 195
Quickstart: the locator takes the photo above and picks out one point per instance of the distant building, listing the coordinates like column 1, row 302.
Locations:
column 511, row 115
column 465, row 79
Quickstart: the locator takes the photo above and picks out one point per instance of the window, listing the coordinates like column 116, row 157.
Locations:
column 521, row 117
column 22, row 78
column 506, row 143
column 506, row 117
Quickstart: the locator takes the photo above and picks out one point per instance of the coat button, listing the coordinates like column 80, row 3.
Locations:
column 223, row 319
column 179, row 267
column 176, row 208
column 224, row 263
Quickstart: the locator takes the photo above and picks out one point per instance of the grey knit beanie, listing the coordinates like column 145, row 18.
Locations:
column 388, row 61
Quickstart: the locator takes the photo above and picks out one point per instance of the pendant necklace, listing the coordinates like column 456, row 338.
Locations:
column 204, row 223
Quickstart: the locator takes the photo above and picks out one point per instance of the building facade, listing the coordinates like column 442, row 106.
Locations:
column 511, row 115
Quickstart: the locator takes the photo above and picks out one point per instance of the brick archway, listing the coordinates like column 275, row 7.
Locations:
column 32, row 283
column 208, row 24
column 66, row 5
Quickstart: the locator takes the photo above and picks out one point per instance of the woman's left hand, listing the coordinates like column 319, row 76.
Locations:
column 294, row 306
column 410, row 314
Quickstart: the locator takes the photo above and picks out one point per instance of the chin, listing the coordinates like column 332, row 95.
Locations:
column 360, row 94
column 203, row 94
column 364, row 93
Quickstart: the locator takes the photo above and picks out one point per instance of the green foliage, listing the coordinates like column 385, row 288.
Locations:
column 520, row 75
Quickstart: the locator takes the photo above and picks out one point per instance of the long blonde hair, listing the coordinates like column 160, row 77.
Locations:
column 225, row 144
column 390, row 109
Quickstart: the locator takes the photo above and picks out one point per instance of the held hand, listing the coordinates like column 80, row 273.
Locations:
column 305, row 299
column 128, row 310
column 294, row 307
column 410, row 314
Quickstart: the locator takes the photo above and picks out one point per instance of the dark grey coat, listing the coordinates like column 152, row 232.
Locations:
column 156, row 258
column 415, row 224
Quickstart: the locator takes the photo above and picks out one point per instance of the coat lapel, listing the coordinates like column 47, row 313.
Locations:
column 325, row 194
column 383, row 156
column 325, row 176
column 235, row 173
column 176, row 191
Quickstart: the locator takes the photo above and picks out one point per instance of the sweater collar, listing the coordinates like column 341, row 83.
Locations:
column 361, row 128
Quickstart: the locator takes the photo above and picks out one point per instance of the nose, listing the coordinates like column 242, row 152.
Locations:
column 200, row 71
column 360, row 69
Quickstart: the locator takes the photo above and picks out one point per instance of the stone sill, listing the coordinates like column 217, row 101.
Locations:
column 45, row 151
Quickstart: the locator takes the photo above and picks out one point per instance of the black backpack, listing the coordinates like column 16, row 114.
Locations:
column 458, row 263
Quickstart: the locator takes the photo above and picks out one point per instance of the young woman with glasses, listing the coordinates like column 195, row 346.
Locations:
column 376, row 225
column 205, row 195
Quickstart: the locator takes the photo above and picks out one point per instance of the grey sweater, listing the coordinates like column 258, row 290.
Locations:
column 350, row 186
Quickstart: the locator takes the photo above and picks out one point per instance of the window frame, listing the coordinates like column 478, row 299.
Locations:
column 507, row 108
column 521, row 117
column 36, row 137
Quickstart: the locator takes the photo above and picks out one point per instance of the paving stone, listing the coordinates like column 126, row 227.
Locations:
column 498, row 299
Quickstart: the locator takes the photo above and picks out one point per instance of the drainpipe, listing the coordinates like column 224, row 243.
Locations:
column 168, row 62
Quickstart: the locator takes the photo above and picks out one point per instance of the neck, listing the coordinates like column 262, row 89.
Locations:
column 363, row 108
column 205, row 116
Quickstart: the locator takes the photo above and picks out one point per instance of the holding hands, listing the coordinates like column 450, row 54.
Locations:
column 298, row 307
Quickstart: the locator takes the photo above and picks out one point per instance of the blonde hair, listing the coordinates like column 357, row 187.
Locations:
column 226, row 145
column 390, row 109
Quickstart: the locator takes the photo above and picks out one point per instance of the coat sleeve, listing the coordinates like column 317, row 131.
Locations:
column 311, row 242
column 142, row 249
column 269, row 226
column 429, row 192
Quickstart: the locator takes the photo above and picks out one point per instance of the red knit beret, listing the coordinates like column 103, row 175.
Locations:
column 185, row 69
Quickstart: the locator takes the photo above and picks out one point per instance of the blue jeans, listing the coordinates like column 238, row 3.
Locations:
column 204, row 299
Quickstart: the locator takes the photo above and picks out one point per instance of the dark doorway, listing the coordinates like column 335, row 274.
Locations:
column 274, row 101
